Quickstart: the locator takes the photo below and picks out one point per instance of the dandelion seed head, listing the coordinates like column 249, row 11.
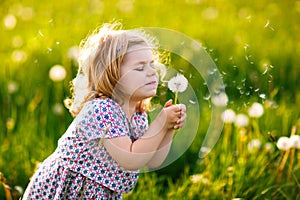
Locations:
column 178, row 83
column 196, row 178
column 10, row 21
column 269, row 147
column 228, row 116
column 58, row 109
column 256, row 110
column 295, row 141
column 73, row 52
column 17, row 41
column 19, row 56
column 254, row 144
column 284, row 143
column 57, row 73
column 12, row 87
column 220, row 99
column 241, row 120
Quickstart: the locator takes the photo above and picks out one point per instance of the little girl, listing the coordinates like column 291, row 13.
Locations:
column 109, row 140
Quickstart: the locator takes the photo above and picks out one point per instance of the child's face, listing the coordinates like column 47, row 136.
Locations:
column 139, row 78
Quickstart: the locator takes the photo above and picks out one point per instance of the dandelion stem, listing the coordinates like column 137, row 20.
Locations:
column 282, row 164
column 176, row 97
column 292, row 155
column 291, row 164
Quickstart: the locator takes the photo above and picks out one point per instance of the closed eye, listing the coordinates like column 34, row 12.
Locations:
column 140, row 67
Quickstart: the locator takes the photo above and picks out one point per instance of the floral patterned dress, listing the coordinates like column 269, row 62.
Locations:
column 81, row 168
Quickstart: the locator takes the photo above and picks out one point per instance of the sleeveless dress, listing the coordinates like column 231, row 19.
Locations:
column 80, row 167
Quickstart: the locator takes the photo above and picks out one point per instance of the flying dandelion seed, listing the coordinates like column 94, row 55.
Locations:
column 267, row 25
column 49, row 50
column 41, row 33
column 246, row 46
column 263, row 96
column 192, row 102
column 207, row 97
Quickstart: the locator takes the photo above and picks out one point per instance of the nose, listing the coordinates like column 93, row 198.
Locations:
column 151, row 71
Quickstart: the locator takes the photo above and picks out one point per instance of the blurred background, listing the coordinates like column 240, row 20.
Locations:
column 255, row 45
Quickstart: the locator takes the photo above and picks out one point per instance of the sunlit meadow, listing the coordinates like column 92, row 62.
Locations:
column 254, row 44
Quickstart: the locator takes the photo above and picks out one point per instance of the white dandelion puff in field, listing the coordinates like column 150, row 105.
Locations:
column 12, row 87
column 10, row 21
column 254, row 144
column 177, row 84
column 73, row 52
column 19, row 56
column 220, row 99
column 284, row 143
column 269, row 147
column 228, row 116
column 57, row 73
column 241, row 120
column 256, row 110
column 58, row 109
column 198, row 178
column 295, row 141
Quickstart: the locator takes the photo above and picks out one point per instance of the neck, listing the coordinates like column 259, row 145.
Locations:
column 129, row 107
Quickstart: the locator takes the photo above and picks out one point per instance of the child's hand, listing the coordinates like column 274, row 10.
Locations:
column 174, row 115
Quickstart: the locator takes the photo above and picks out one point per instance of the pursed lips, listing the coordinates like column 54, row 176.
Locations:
column 152, row 83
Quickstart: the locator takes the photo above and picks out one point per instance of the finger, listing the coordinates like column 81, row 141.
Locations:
column 168, row 103
column 181, row 119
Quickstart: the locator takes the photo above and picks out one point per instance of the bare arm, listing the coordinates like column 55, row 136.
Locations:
column 133, row 156
column 165, row 145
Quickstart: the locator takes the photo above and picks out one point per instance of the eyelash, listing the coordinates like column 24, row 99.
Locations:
column 142, row 67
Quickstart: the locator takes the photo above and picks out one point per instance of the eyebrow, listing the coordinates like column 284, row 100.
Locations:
column 144, row 62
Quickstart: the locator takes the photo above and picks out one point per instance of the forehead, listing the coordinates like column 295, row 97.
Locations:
column 138, row 53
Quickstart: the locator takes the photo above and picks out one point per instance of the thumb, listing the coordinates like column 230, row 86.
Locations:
column 168, row 103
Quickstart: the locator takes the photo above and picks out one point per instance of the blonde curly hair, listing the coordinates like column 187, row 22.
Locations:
column 100, row 58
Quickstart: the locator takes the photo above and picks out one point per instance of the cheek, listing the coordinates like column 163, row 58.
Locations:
column 130, row 83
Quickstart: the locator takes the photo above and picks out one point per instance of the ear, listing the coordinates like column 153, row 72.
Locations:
column 168, row 103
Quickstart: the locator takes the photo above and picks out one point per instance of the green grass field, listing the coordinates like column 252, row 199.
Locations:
column 255, row 45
